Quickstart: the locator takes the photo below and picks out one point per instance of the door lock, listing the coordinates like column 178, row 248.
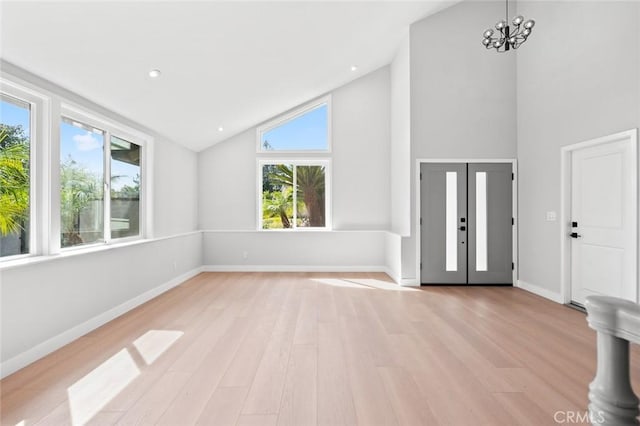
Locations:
column 463, row 228
column 575, row 235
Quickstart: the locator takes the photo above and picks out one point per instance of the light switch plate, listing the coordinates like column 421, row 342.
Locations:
column 552, row 216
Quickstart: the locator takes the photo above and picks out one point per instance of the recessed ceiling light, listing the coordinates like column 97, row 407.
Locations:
column 354, row 67
column 154, row 73
column 220, row 128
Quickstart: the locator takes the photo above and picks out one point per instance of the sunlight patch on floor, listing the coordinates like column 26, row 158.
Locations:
column 90, row 394
column 154, row 343
column 363, row 283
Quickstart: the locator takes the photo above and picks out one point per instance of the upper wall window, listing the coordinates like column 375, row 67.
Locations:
column 15, row 176
column 305, row 130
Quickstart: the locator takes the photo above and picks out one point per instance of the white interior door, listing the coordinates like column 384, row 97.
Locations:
column 603, row 227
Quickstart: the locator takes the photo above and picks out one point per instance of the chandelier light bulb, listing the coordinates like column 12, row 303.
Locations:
column 508, row 37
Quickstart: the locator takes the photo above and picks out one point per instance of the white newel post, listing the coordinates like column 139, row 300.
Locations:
column 611, row 397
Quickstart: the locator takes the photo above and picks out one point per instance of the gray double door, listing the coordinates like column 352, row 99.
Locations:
column 466, row 223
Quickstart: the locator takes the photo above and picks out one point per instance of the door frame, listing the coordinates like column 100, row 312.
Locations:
column 514, row 206
column 566, row 155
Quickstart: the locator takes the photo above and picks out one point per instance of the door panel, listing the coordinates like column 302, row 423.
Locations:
column 603, row 208
column 490, row 223
column 466, row 227
column 443, row 204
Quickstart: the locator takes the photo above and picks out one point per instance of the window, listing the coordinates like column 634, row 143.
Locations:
column 294, row 191
column 294, row 194
column 15, row 176
column 89, row 167
column 83, row 184
column 305, row 130
column 125, row 188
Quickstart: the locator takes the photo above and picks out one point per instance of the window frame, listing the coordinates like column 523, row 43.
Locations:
column 111, row 128
column 291, row 115
column 325, row 162
column 38, row 168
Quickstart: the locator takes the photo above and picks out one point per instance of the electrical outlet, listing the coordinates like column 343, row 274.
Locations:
column 175, row 265
column 552, row 216
column 245, row 255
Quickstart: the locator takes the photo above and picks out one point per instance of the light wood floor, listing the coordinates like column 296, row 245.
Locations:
column 317, row 348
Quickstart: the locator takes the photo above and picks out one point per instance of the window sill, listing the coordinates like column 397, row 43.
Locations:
column 96, row 248
column 68, row 252
column 301, row 230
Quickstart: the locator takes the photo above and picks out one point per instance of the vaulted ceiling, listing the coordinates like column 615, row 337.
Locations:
column 224, row 64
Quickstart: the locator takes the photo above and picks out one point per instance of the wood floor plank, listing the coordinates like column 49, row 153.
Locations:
column 265, row 393
column 244, row 365
column 105, row 418
column 407, row 401
column 191, row 400
column 371, row 402
column 299, row 405
column 306, row 332
column 224, row 406
column 526, row 412
column 152, row 405
column 257, row 420
column 335, row 401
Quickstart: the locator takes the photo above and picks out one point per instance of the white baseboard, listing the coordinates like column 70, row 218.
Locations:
column 292, row 268
column 31, row 355
column 540, row 291
column 410, row 282
column 392, row 274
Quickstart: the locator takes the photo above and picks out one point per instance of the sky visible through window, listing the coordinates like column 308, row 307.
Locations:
column 86, row 149
column 307, row 132
column 13, row 115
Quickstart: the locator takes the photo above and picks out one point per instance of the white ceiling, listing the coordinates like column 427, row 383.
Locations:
column 231, row 64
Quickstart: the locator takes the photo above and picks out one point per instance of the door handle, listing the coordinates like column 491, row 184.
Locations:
column 463, row 228
column 575, row 235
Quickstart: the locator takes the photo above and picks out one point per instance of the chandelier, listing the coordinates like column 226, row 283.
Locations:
column 508, row 37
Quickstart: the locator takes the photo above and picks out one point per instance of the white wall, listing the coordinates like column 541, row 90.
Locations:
column 46, row 304
column 577, row 80
column 360, row 190
column 463, row 98
column 361, row 132
column 227, row 184
column 290, row 251
column 175, row 189
column 393, row 256
column 400, row 158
